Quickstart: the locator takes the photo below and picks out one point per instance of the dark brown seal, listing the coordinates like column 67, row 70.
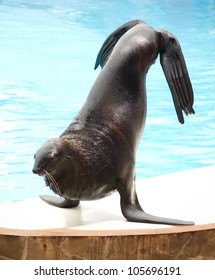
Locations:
column 95, row 156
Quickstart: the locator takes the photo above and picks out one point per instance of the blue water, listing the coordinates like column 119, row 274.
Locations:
column 47, row 55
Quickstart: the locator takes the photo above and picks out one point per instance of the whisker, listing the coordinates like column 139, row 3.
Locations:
column 47, row 178
column 52, row 179
column 55, row 185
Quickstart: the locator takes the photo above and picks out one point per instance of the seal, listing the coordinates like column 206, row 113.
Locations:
column 95, row 155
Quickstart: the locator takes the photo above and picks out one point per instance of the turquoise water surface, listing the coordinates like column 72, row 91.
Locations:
column 47, row 55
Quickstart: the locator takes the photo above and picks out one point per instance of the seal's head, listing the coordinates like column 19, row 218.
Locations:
column 50, row 160
column 48, row 156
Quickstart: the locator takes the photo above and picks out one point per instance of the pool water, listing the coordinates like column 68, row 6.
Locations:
column 47, row 55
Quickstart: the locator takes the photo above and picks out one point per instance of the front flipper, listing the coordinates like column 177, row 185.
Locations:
column 59, row 201
column 133, row 212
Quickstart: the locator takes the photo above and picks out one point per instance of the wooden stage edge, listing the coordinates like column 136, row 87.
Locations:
column 177, row 243
column 130, row 232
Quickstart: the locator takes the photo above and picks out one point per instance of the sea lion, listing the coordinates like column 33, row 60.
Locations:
column 95, row 155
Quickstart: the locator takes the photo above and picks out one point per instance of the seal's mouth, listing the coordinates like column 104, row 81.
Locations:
column 40, row 171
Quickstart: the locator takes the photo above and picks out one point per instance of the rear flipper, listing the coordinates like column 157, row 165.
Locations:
column 59, row 201
column 133, row 212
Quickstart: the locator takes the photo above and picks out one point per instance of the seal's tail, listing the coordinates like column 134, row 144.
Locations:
column 111, row 41
column 176, row 73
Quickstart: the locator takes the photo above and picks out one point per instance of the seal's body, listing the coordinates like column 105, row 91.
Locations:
column 96, row 154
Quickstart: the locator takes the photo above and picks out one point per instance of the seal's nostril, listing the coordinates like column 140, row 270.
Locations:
column 36, row 170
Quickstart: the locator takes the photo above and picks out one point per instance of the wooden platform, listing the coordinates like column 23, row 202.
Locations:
column 97, row 230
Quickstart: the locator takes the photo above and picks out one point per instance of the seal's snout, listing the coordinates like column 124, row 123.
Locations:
column 36, row 170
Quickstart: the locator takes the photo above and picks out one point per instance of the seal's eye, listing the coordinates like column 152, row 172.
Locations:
column 172, row 41
column 51, row 155
column 56, row 154
column 161, row 38
column 50, row 158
